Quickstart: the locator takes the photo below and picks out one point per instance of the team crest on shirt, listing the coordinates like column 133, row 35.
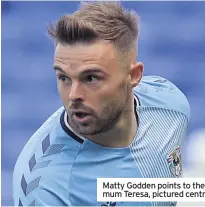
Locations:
column 175, row 162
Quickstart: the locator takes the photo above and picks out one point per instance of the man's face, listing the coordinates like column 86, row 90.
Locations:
column 92, row 84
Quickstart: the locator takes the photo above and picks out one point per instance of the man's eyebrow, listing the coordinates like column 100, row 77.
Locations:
column 86, row 71
column 93, row 70
column 55, row 67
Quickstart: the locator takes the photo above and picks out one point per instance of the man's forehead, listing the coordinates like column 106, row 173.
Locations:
column 96, row 51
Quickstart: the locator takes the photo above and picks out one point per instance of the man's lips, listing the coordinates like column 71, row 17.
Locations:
column 81, row 116
column 79, row 112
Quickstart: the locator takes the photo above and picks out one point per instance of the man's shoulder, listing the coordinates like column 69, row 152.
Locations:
column 155, row 91
column 51, row 124
column 36, row 164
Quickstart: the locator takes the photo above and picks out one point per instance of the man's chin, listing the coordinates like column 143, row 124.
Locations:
column 85, row 130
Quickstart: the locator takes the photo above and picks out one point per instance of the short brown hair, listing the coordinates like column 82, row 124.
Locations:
column 98, row 20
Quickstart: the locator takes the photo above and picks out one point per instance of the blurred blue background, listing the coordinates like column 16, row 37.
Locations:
column 171, row 44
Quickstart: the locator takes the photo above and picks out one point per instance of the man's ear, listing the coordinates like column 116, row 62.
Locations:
column 136, row 72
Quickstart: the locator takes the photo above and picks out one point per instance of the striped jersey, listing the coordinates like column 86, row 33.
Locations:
column 59, row 167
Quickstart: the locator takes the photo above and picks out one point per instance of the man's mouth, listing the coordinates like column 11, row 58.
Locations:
column 80, row 114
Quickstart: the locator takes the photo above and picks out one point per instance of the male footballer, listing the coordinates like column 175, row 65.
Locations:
column 114, row 122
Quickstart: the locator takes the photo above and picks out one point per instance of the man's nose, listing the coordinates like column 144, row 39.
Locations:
column 76, row 92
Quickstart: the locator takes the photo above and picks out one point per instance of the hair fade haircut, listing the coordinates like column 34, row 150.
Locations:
column 98, row 20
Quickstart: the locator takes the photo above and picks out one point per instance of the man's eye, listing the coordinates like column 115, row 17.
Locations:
column 92, row 78
column 64, row 79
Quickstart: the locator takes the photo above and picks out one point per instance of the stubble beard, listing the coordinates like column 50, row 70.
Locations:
column 107, row 119
column 101, row 123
